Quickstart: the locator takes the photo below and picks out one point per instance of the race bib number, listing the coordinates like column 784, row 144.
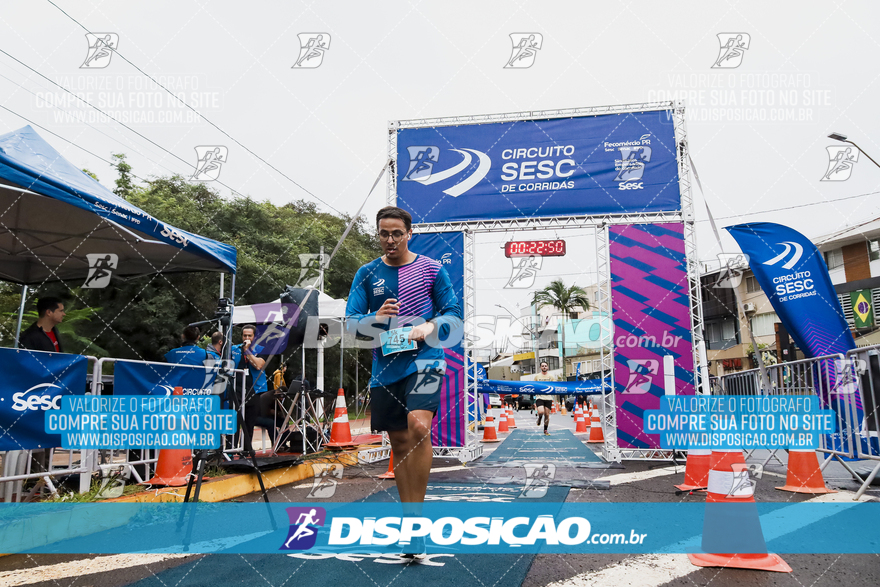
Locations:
column 395, row 341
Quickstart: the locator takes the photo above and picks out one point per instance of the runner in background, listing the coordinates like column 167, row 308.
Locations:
column 544, row 403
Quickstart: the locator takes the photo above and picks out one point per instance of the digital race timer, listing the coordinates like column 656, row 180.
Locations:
column 544, row 248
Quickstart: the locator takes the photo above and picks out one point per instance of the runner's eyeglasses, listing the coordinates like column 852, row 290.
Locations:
column 395, row 236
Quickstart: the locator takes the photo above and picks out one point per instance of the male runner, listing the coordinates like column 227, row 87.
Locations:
column 543, row 403
column 404, row 290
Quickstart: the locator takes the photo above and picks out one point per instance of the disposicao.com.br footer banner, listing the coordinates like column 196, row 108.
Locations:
column 448, row 528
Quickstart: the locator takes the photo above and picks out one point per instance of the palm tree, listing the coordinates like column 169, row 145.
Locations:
column 565, row 299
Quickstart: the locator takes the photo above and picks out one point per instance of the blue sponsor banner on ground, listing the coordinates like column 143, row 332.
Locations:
column 608, row 164
column 453, row 528
column 138, row 378
column 33, row 384
column 739, row 422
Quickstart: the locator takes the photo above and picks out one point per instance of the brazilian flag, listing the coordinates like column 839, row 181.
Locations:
column 863, row 308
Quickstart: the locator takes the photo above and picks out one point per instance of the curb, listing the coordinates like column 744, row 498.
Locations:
column 232, row 486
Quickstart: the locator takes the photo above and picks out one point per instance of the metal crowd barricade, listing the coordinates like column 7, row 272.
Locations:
column 18, row 464
column 835, row 380
column 106, row 460
column 865, row 363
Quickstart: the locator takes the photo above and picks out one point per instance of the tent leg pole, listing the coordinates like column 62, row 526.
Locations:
column 20, row 315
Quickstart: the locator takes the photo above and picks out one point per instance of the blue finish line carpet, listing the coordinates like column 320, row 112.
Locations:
column 366, row 568
column 562, row 448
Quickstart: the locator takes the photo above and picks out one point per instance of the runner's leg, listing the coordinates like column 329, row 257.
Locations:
column 413, row 455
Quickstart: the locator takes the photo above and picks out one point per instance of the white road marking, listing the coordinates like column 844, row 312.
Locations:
column 621, row 478
column 649, row 570
column 78, row 568
column 653, row 570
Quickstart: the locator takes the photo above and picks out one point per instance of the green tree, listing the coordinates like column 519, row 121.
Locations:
column 565, row 299
column 124, row 183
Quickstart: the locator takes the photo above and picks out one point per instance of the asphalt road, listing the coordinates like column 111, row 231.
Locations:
column 631, row 482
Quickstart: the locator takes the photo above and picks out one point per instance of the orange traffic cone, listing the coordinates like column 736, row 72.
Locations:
column 489, row 430
column 731, row 521
column 696, row 472
column 562, row 410
column 175, row 464
column 340, row 432
column 502, row 422
column 511, row 422
column 390, row 473
column 580, row 423
column 596, row 434
column 804, row 475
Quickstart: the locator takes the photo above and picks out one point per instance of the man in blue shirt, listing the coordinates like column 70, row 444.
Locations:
column 256, row 380
column 405, row 304
column 189, row 353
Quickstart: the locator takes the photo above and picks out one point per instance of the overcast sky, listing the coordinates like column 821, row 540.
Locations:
column 325, row 128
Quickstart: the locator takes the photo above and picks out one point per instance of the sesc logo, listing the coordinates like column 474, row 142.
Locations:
column 44, row 401
column 630, row 186
column 446, row 259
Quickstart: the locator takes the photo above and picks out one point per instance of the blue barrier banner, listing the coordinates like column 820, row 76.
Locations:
column 137, row 421
column 739, row 422
column 543, row 388
column 607, row 164
column 452, row 528
column 137, row 378
column 33, row 384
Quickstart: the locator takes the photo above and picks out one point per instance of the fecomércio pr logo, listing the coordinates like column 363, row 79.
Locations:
column 733, row 47
column 304, row 524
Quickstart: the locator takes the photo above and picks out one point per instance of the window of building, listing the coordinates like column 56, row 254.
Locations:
column 874, row 249
column 762, row 324
column 752, row 284
column 834, row 259
column 728, row 330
